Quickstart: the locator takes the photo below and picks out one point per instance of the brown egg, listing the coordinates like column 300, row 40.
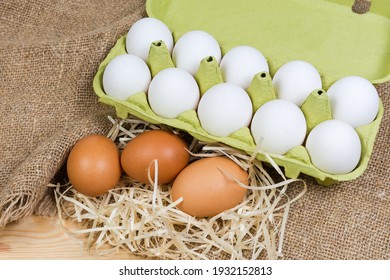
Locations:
column 206, row 188
column 168, row 148
column 93, row 165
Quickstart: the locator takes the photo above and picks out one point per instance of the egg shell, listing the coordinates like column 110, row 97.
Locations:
column 224, row 109
column 278, row 126
column 143, row 33
column 93, row 165
column 192, row 48
column 164, row 146
column 172, row 92
column 354, row 100
column 208, row 186
column 295, row 80
column 126, row 75
column 334, row 147
column 240, row 64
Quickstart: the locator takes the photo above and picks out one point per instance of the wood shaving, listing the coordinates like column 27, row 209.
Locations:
column 142, row 218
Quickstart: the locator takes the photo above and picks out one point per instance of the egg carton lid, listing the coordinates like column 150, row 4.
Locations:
column 325, row 33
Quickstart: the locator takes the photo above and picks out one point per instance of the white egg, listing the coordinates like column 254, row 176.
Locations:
column 278, row 126
column 192, row 48
column 143, row 33
column 354, row 100
column 334, row 147
column 224, row 108
column 126, row 75
column 295, row 80
column 240, row 64
column 173, row 91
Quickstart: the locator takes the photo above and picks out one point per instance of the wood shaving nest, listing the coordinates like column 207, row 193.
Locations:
column 143, row 219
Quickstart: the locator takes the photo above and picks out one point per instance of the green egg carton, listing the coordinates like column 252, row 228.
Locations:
column 206, row 15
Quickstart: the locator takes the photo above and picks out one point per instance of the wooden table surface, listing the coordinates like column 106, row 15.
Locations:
column 45, row 238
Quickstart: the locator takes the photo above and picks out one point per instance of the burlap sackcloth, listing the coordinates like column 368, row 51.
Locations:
column 49, row 53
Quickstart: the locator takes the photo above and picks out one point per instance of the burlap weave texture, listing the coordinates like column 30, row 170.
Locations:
column 49, row 53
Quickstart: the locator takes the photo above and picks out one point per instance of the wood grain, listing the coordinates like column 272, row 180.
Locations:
column 45, row 238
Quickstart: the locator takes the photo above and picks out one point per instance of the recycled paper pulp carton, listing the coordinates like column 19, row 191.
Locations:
column 325, row 33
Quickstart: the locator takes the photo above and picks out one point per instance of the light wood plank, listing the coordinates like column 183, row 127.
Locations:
column 45, row 238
